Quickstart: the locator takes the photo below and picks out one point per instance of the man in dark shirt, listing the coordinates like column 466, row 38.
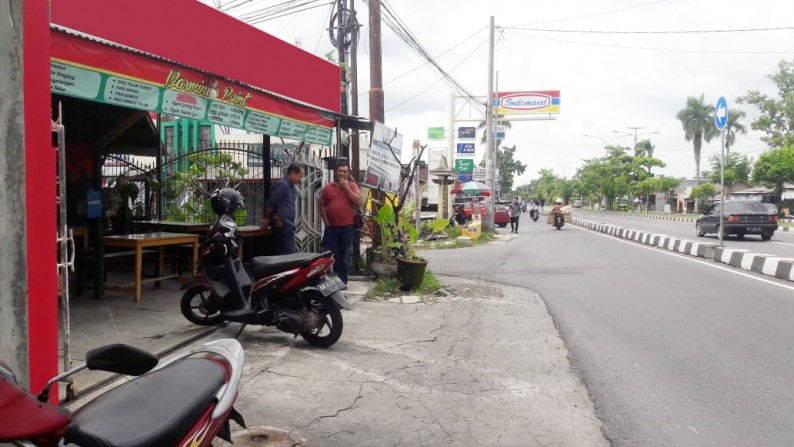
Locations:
column 280, row 210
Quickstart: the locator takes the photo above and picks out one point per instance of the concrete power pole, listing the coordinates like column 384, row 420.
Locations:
column 376, row 113
column 13, row 243
column 489, row 155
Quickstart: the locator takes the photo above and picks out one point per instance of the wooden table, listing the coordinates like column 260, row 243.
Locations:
column 247, row 231
column 158, row 239
column 174, row 227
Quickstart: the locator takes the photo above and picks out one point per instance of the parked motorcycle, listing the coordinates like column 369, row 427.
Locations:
column 292, row 292
column 186, row 400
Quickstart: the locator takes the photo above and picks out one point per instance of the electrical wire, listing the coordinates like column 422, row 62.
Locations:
column 612, row 11
column 439, row 79
column 714, row 31
column 671, row 50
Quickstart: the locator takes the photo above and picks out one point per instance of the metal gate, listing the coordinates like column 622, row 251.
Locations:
column 308, row 221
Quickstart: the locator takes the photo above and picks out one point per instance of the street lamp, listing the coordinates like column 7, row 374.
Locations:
column 635, row 134
column 606, row 144
column 562, row 165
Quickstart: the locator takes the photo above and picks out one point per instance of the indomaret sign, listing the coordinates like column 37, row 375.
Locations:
column 529, row 102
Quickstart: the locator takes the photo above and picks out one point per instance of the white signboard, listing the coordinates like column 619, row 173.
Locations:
column 478, row 175
column 383, row 167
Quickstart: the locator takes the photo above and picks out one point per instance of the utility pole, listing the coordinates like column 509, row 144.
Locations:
column 489, row 156
column 354, row 142
column 635, row 129
column 376, row 113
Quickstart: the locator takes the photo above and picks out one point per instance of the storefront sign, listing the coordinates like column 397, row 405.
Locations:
column 467, row 133
column 464, row 165
column 465, row 149
column 90, row 71
column 524, row 103
column 478, row 174
column 383, row 167
column 435, row 133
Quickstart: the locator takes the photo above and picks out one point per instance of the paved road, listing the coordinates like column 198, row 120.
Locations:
column 674, row 351
column 782, row 243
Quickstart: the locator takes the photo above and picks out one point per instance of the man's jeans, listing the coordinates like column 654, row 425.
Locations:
column 285, row 239
column 340, row 241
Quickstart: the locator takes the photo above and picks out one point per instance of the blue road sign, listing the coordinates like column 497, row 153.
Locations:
column 721, row 113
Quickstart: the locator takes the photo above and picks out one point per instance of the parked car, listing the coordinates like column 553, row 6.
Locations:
column 740, row 217
column 501, row 215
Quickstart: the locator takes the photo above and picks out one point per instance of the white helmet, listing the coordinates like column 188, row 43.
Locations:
column 558, row 201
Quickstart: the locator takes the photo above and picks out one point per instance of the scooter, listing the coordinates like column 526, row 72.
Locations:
column 292, row 292
column 186, row 400
column 559, row 220
column 534, row 214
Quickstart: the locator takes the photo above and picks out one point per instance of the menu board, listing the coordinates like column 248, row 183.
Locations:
column 74, row 81
column 292, row 129
column 183, row 104
column 226, row 115
column 262, row 123
column 129, row 93
column 82, row 82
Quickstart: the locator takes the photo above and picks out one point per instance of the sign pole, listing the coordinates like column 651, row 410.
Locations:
column 722, row 184
column 489, row 156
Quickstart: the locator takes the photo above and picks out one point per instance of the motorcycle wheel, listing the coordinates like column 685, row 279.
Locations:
column 199, row 308
column 331, row 329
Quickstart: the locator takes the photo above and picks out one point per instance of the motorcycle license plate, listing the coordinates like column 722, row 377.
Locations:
column 329, row 285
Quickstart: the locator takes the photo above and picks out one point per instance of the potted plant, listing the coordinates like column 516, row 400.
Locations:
column 384, row 262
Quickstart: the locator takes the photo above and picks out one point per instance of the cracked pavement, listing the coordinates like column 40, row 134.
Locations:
column 484, row 366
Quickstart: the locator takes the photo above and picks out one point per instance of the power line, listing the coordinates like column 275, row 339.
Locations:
column 611, row 11
column 714, row 31
column 671, row 50
column 439, row 79
column 427, row 62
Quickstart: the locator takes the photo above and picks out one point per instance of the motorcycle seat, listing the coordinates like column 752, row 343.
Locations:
column 156, row 409
column 262, row 266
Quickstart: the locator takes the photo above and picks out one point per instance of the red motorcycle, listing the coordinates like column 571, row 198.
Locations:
column 292, row 292
column 186, row 400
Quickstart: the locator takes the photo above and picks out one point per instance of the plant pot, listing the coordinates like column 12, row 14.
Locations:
column 410, row 273
column 380, row 268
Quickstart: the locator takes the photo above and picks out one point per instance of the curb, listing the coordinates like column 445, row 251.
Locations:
column 666, row 217
column 782, row 268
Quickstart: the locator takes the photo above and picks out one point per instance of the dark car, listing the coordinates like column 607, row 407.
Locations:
column 740, row 217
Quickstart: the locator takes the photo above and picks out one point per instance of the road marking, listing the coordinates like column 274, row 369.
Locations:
column 658, row 225
column 782, row 243
column 701, row 261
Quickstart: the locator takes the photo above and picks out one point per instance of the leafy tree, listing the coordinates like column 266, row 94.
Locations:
column 733, row 127
column 777, row 114
column 737, row 169
column 703, row 191
column 698, row 123
column 774, row 168
column 508, row 168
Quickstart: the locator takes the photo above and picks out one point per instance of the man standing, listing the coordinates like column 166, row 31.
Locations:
column 338, row 204
column 280, row 210
column 515, row 213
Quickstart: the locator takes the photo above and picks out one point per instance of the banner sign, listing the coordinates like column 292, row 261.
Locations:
column 464, row 165
column 88, row 70
column 465, row 149
column 524, row 103
column 383, row 167
column 463, row 178
column 435, row 133
column 467, row 133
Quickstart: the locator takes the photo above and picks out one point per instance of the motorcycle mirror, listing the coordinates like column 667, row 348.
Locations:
column 120, row 359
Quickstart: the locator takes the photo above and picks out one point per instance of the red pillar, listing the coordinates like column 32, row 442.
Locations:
column 40, row 196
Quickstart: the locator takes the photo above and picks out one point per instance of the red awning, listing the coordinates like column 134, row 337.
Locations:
column 191, row 33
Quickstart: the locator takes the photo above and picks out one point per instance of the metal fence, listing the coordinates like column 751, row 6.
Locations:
column 188, row 179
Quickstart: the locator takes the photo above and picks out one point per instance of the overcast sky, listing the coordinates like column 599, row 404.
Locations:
column 608, row 82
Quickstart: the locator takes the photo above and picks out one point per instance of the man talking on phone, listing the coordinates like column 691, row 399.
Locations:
column 338, row 203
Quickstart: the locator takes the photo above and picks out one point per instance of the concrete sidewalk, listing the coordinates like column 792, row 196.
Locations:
column 473, row 364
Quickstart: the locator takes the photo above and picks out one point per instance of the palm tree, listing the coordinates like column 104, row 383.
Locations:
column 732, row 128
column 644, row 149
column 698, row 123
column 496, row 122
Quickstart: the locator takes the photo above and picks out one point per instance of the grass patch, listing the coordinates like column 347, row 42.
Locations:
column 485, row 237
column 387, row 284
